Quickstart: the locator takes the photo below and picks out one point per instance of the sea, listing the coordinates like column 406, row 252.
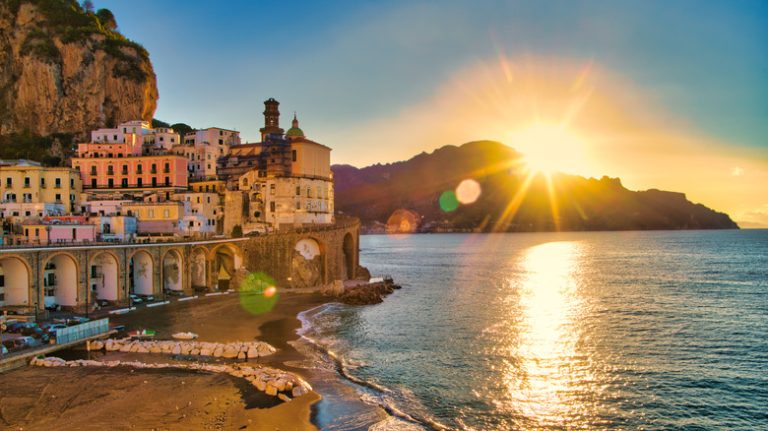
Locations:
column 652, row 330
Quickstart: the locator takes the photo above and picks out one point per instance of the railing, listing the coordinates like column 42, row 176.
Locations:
column 341, row 222
column 82, row 331
column 133, row 186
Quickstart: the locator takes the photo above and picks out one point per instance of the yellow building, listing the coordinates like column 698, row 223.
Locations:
column 27, row 187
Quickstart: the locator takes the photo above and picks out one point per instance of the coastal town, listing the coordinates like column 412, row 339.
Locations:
column 143, row 215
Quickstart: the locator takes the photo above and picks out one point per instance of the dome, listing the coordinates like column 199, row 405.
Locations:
column 295, row 132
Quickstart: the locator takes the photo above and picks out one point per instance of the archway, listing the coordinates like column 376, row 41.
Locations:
column 60, row 281
column 142, row 268
column 14, row 282
column 227, row 259
column 198, row 269
column 349, row 262
column 172, row 277
column 104, row 275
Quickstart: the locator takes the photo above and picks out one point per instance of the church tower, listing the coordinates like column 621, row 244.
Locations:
column 271, row 119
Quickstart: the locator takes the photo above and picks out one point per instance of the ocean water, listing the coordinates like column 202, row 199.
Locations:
column 560, row 331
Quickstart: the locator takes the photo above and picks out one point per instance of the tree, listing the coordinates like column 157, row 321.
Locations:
column 107, row 19
column 157, row 123
column 88, row 6
column 182, row 129
column 237, row 231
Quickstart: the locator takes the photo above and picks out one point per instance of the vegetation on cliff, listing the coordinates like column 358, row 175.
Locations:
column 66, row 69
column 376, row 192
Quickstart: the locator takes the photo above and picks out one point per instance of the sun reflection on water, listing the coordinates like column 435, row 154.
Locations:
column 543, row 372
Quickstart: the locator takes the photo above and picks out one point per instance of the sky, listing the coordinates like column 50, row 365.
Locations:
column 663, row 94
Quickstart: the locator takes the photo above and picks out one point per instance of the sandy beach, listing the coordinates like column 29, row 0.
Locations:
column 36, row 398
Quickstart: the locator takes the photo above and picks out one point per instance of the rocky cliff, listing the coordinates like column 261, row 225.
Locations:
column 66, row 70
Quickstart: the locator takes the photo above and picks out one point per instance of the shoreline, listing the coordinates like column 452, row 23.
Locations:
column 142, row 395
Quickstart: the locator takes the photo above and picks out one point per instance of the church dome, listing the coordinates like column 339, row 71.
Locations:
column 295, row 131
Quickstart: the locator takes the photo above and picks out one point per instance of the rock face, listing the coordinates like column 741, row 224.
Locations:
column 63, row 71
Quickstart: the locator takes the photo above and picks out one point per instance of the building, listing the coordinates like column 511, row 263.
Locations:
column 219, row 139
column 284, row 181
column 158, row 218
column 119, row 171
column 205, row 214
column 55, row 230
column 31, row 190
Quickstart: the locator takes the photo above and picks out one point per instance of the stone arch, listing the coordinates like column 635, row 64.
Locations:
column 141, row 273
column 349, row 263
column 172, row 262
column 104, row 276
column 198, row 265
column 15, row 281
column 309, row 262
column 61, row 280
column 226, row 259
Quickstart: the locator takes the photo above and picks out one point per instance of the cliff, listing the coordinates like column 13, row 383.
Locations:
column 376, row 192
column 66, row 70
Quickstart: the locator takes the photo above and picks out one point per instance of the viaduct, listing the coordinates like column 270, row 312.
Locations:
column 76, row 276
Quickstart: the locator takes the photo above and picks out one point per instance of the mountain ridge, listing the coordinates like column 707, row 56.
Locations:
column 375, row 192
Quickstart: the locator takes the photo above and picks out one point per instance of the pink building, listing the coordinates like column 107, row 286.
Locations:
column 56, row 230
column 135, row 172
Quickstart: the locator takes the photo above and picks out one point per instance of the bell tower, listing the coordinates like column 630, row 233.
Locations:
column 271, row 119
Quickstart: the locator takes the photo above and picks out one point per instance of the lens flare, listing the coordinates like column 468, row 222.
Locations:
column 448, row 201
column 468, row 191
column 258, row 293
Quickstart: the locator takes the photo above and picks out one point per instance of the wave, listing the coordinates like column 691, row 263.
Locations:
column 370, row 392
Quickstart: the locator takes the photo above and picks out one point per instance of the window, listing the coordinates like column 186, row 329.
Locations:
column 42, row 182
column 298, row 205
column 272, row 188
column 57, row 183
column 139, row 168
column 58, row 197
column 110, row 170
column 111, row 182
column 167, row 168
column 139, row 182
column 166, row 214
column 272, row 206
column 9, row 182
column 93, row 170
column 294, row 155
column 72, row 183
column 221, row 142
column 154, row 169
column 93, row 183
column 154, row 182
column 298, row 190
column 125, row 170
column 167, row 181
column 26, row 182
column 309, row 192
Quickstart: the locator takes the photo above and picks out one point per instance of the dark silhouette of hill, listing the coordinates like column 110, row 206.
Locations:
column 373, row 193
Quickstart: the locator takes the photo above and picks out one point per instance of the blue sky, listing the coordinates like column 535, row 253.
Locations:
column 666, row 94
column 347, row 63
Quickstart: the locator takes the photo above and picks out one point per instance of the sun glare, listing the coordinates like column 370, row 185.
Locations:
column 550, row 148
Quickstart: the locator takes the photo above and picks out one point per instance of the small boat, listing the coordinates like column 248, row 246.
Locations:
column 184, row 335
column 143, row 334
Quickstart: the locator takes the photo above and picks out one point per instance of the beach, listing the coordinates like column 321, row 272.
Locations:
column 125, row 398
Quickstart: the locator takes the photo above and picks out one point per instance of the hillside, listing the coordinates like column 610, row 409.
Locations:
column 375, row 192
column 67, row 71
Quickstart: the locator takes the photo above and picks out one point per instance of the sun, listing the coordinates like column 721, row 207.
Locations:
column 550, row 148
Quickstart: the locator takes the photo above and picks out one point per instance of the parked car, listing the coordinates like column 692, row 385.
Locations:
column 10, row 346
column 103, row 303
column 3, row 350
column 147, row 298
column 76, row 320
column 135, row 299
column 52, row 307
column 28, row 341
column 52, row 327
